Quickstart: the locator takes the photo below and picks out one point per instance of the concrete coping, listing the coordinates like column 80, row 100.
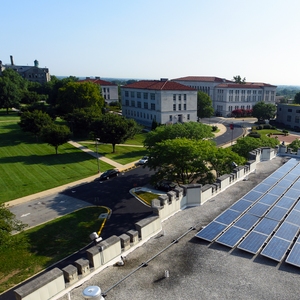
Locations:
column 108, row 242
column 146, row 221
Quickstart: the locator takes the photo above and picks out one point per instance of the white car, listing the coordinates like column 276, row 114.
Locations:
column 143, row 160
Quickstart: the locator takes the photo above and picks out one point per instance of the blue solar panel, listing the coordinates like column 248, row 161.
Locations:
column 278, row 190
column 253, row 242
column 262, row 188
column 294, row 217
column 287, row 231
column 266, row 226
column 270, row 180
column 297, row 206
column 292, row 176
column 241, row 205
column 231, row 236
column 294, row 256
column 211, row 231
column 268, row 199
column 227, row 217
column 258, row 209
column 285, row 183
column 296, row 186
column 276, row 248
column 252, row 196
column 285, row 202
column 292, row 193
column 277, row 213
column 246, row 221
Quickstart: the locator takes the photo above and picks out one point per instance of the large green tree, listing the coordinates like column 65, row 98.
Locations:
column 295, row 145
column 238, row 79
column 297, row 98
column 114, row 129
column 10, row 94
column 204, row 105
column 8, row 224
column 189, row 130
column 79, row 95
column 34, row 122
column 264, row 111
column 56, row 135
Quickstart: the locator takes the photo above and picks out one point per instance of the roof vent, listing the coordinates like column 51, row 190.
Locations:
column 164, row 79
column 97, row 77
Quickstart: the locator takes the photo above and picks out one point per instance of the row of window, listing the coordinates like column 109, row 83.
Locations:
column 244, row 98
column 289, row 119
column 230, row 107
column 179, row 107
column 105, row 90
column 138, row 104
column 179, row 97
column 139, row 95
column 178, row 118
column 138, row 114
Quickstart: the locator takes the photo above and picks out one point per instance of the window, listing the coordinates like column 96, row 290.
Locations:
column 127, row 102
column 289, row 110
column 171, row 118
column 289, row 118
column 152, row 106
column 297, row 119
column 126, row 94
column 179, row 96
column 174, row 107
column 138, row 95
column 298, row 111
column 108, row 90
column 184, row 97
column 139, row 104
column 146, row 105
column 132, row 103
column 152, row 96
column 132, row 94
column 188, row 116
column 179, row 106
column 104, row 90
column 145, row 95
column 174, row 97
column 184, row 106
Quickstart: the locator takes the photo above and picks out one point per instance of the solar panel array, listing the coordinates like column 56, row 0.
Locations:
column 266, row 220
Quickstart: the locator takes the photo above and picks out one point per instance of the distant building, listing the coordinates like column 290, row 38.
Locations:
column 227, row 95
column 164, row 101
column 109, row 90
column 31, row 73
column 289, row 115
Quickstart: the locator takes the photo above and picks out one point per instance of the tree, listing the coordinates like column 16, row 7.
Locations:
column 56, row 135
column 8, row 224
column 204, row 105
column 79, row 95
column 34, row 122
column 297, row 98
column 189, row 130
column 244, row 145
column 10, row 94
column 264, row 111
column 114, row 129
column 181, row 159
column 238, row 79
column 295, row 145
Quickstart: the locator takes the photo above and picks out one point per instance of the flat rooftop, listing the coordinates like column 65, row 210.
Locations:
column 198, row 269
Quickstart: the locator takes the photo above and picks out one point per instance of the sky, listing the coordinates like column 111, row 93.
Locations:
column 153, row 39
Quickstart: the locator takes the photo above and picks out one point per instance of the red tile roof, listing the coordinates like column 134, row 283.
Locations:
column 97, row 81
column 202, row 78
column 164, row 85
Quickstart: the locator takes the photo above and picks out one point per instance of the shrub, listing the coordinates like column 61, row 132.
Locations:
column 254, row 134
column 214, row 128
column 267, row 126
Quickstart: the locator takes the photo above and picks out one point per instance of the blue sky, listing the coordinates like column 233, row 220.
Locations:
column 256, row 39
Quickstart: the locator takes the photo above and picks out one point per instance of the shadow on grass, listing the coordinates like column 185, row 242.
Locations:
column 49, row 159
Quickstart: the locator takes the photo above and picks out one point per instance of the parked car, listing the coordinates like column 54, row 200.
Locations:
column 109, row 173
column 143, row 160
column 165, row 185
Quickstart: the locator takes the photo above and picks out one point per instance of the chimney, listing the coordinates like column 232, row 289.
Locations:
column 11, row 60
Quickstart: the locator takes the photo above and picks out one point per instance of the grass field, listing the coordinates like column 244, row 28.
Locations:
column 38, row 248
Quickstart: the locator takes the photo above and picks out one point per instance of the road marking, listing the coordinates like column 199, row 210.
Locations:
column 25, row 215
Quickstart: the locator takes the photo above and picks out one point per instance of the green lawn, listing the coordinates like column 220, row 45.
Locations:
column 38, row 248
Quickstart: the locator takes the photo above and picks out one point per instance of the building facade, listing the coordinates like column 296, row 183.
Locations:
column 32, row 73
column 109, row 90
column 288, row 115
column 163, row 101
column 227, row 95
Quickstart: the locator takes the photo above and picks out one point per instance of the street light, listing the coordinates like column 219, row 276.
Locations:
column 97, row 140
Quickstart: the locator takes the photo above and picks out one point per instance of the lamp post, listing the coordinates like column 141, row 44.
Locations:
column 98, row 164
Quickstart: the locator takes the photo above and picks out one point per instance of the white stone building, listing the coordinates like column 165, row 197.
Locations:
column 109, row 90
column 227, row 95
column 165, row 101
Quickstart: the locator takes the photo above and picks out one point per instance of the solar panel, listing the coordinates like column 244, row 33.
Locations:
column 294, row 217
column 241, row 205
column 285, row 202
column 258, row 209
column 278, row 174
column 211, row 231
column 276, row 248
column 277, row 213
column 294, row 256
column 231, row 236
column 266, row 226
column 296, row 186
column 252, row 196
column 227, row 217
column 268, row 199
column 278, row 190
column 292, row 176
column 292, row 193
column 285, row 183
column 262, row 188
column 287, row 231
column 270, row 180
column 253, row 242
column 246, row 221
column 297, row 206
